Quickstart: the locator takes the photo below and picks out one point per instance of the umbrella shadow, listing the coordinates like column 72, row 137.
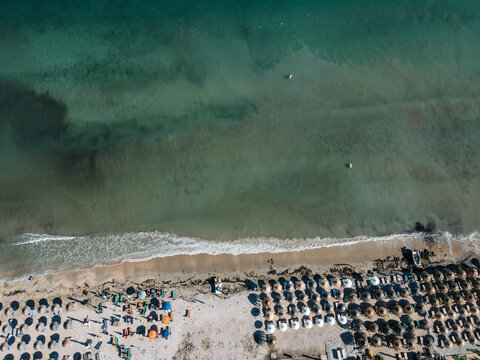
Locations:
column 258, row 324
column 253, row 298
column 255, row 311
column 259, row 337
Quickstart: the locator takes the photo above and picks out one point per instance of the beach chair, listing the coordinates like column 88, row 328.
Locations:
column 115, row 300
column 162, row 293
column 169, row 330
column 188, row 314
column 173, row 295
column 170, row 315
column 99, row 344
column 115, row 321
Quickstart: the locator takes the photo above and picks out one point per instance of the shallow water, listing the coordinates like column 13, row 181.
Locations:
column 176, row 116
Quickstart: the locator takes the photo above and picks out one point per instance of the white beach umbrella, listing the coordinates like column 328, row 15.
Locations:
column 305, row 310
column 56, row 308
column 22, row 346
column 7, row 329
column 26, row 310
column 40, row 327
column 342, row 319
column 347, row 283
column 331, row 320
column 295, row 325
column 270, row 328
column 308, row 323
column 319, row 321
column 375, row 281
column 42, row 309
column 3, row 347
column 283, row 326
column 37, row 345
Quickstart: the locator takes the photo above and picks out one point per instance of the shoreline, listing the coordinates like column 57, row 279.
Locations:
column 180, row 268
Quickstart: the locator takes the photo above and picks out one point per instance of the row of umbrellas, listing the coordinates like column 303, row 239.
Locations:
column 37, row 345
column 42, row 309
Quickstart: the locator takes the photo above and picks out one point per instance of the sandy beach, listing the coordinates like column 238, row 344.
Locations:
column 231, row 326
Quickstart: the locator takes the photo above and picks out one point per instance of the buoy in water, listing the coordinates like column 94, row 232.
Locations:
column 289, row 76
column 349, row 165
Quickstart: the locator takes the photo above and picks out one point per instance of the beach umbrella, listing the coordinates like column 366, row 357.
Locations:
column 3, row 347
column 335, row 282
column 308, row 323
column 26, row 310
column 429, row 289
column 282, row 326
column 315, row 298
column 52, row 344
column 462, row 311
column 425, row 276
column 449, row 275
column 323, row 283
column 365, row 295
column 447, row 344
column 305, row 310
column 461, row 273
column 269, row 315
column 354, row 313
column 403, row 292
column 277, row 288
column 396, row 310
column 318, row 321
column 68, row 324
column 54, row 326
column 470, row 297
column 142, row 294
column 434, row 301
column 473, row 310
column 382, row 311
column 439, row 315
column 347, row 283
column 7, row 329
column 42, row 309
column 37, row 345
column 70, row 307
column 396, row 343
column 438, row 275
column 341, row 308
column 368, row 312
column 352, row 297
column 342, row 319
column 152, row 334
column 409, row 343
column 376, row 341
column 165, row 333
column 421, row 308
column 473, row 272
column 428, row 340
column 408, row 308
column 267, row 303
column 40, row 327
column 22, row 346
column 442, row 288
column 372, row 327
column 295, row 324
column 66, row 342
column 270, row 328
column 331, row 319
column 301, row 285
column 266, row 289
column 374, row 281
column 467, row 326
column 23, row 328
column 165, row 319
column 378, row 294
column 56, row 308
column 423, row 324
column 8, row 311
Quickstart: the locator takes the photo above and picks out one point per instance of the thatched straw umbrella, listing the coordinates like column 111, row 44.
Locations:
column 425, row 276
column 438, row 275
column 408, row 308
column 372, row 327
column 409, row 343
column 439, row 316
column 352, row 297
column 354, row 313
column 462, row 311
column 421, row 308
column 403, row 292
column 467, row 326
column 378, row 294
column 461, row 273
column 442, row 288
column 359, row 325
column 396, row 343
column 267, row 303
column 70, row 307
column 473, row 272
column 473, row 310
column 277, row 288
column 382, row 311
column 300, row 285
column 428, row 340
column 429, row 289
column 336, row 282
column 269, row 315
column 424, row 324
column 368, row 312
column 375, row 341
column 470, row 297
column 451, row 314
column 434, row 301
column 449, row 275
column 453, row 286
column 324, row 284
column 447, row 344
column 266, row 289
column 458, row 298
column 365, row 295
column 396, row 310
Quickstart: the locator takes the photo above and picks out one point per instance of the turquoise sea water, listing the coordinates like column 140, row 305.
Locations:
column 176, row 116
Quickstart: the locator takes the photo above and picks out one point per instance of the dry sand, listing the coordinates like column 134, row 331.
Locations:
column 218, row 328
